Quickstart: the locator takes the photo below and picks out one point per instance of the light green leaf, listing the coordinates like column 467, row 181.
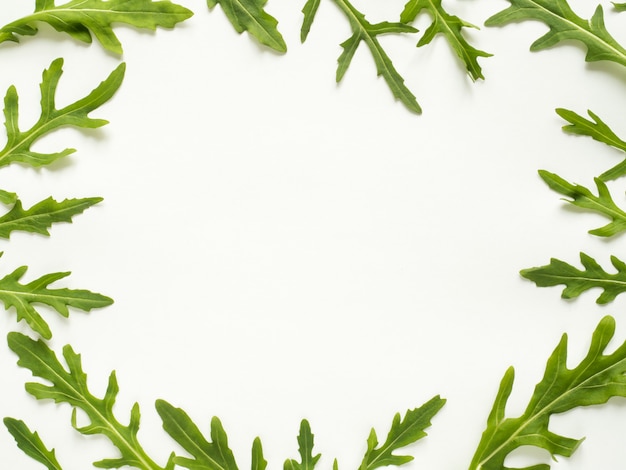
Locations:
column 31, row 444
column 249, row 15
column 18, row 146
column 597, row 378
column 451, row 28
column 82, row 18
column 309, row 11
column 403, row 432
column 70, row 386
column 206, row 455
column 582, row 197
column 599, row 131
column 7, row 197
column 576, row 281
column 24, row 297
column 619, row 6
column 258, row 461
column 305, row 449
column 40, row 217
column 364, row 31
column 349, row 47
column 564, row 25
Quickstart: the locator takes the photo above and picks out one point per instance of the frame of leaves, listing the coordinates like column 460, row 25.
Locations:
column 596, row 379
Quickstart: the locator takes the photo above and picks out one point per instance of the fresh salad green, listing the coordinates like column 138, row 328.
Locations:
column 597, row 378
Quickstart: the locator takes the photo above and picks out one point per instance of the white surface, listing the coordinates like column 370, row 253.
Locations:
column 281, row 248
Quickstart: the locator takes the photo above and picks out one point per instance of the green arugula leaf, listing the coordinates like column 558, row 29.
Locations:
column 258, row 462
column 31, row 444
column 597, row 378
column 451, row 27
column 364, row 31
column 582, row 197
column 249, row 15
column 82, row 18
column 564, row 25
column 404, row 431
column 619, row 6
column 214, row 455
column 70, row 386
column 17, row 148
column 23, row 296
column 309, row 11
column 577, row 281
column 7, row 197
column 599, row 131
column 305, row 449
column 40, row 217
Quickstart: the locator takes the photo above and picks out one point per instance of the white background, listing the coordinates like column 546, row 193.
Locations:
column 280, row 247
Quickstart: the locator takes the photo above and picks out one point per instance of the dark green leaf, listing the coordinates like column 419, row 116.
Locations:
column 451, row 28
column 23, row 297
column 564, row 25
column 17, row 148
column 82, row 18
column 305, row 449
column 403, row 432
column 597, row 378
column 578, row 281
column 582, row 197
column 599, row 131
column 70, row 386
column 364, row 31
column 40, row 217
column 249, row 15
column 309, row 11
column 30, row 443
column 206, row 455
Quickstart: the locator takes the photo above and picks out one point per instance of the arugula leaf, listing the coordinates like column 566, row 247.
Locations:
column 23, row 296
column 404, row 431
column 216, row 455
column 309, row 10
column 582, row 197
column 82, row 18
column 258, row 462
column 597, row 378
column 7, row 197
column 451, row 27
column 305, row 449
column 17, row 148
column 70, row 386
column 40, row 217
column 577, row 281
column 206, row 455
column 364, row 31
column 619, row 6
column 564, row 25
column 599, row 131
column 249, row 15
column 31, row 444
